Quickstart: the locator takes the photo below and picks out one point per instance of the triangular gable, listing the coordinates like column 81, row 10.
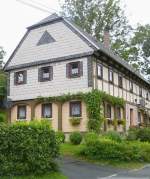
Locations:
column 46, row 39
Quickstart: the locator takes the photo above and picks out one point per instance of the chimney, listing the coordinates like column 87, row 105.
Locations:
column 106, row 37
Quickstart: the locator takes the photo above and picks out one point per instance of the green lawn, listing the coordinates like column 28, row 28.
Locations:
column 48, row 176
column 68, row 149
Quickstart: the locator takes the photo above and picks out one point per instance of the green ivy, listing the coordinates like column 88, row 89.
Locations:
column 93, row 100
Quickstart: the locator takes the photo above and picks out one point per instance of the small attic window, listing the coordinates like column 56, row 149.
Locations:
column 45, row 39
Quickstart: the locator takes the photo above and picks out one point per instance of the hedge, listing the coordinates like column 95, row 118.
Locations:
column 27, row 148
column 111, row 150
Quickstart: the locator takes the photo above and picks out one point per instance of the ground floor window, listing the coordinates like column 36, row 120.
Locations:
column 108, row 111
column 139, row 117
column 75, row 109
column 21, row 112
column 118, row 113
column 47, row 110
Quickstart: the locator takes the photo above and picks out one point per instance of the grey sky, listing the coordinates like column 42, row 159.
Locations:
column 15, row 17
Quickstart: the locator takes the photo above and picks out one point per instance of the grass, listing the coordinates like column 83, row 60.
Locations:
column 68, row 149
column 54, row 175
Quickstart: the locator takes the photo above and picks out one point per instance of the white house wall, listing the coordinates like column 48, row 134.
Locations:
column 59, row 85
column 67, row 43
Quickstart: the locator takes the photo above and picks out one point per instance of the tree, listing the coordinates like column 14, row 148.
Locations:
column 140, row 42
column 95, row 15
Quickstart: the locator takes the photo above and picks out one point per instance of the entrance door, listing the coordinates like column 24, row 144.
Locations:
column 131, row 117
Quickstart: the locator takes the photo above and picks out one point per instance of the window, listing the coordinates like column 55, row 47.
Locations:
column 99, row 71
column 108, row 110
column 21, row 112
column 75, row 109
column 139, row 117
column 47, row 110
column 45, row 39
column 120, row 84
column 118, row 112
column 20, row 77
column 74, row 69
column 147, row 96
column 140, row 91
column 110, row 76
column 46, row 74
column 131, row 86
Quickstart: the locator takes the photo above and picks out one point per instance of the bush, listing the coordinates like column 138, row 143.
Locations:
column 113, row 135
column 27, row 148
column 2, row 117
column 60, row 137
column 110, row 150
column 90, row 137
column 144, row 134
column 75, row 138
column 132, row 134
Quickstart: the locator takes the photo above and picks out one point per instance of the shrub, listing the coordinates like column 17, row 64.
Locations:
column 27, row 148
column 144, row 134
column 60, row 137
column 110, row 150
column 75, row 138
column 113, row 135
column 2, row 117
column 132, row 134
column 90, row 136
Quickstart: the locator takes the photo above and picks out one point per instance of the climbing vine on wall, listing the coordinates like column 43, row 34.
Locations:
column 93, row 100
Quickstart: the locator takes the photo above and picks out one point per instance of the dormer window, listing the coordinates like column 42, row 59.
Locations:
column 99, row 71
column 131, row 86
column 74, row 69
column 110, row 76
column 20, row 77
column 46, row 73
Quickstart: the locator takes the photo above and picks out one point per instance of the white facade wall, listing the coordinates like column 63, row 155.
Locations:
column 58, row 86
column 67, row 43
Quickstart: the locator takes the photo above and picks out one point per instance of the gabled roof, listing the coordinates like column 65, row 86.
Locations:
column 90, row 40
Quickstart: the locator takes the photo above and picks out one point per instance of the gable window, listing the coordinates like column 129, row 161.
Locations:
column 140, row 91
column 20, row 77
column 131, row 86
column 21, row 112
column 46, row 73
column 147, row 96
column 47, row 110
column 75, row 109
column 108, row 111
column 46, row 38
column 120, row 81
column 99, row 71
column 110, row 76
column 74, row 69
column 118, row 112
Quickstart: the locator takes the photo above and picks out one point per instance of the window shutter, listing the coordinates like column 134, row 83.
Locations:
column 39, row 74
column 68, row 70
column 15, row 78
column 81, row 68
column 51, row 72
column 25, row 77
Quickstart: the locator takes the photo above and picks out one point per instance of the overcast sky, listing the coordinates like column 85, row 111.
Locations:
column 15, row 17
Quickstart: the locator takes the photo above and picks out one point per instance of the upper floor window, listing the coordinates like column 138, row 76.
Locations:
column 110, row 76
column 147, row 96
column 99, row 71
column 47, row 110
column 120, row 81
column 75, row 109
column 131, row 86
column 21, row 112
column 108, row 111
column 46, row 73
column 140, row 91
column 74, row 69
column 20, row 77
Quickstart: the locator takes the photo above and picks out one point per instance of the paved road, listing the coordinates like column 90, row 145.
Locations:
column 75, row 169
